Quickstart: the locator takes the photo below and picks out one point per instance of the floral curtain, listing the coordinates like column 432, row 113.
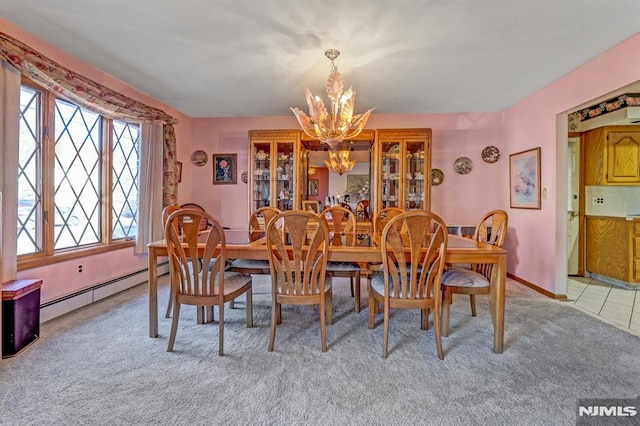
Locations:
column 95, row 97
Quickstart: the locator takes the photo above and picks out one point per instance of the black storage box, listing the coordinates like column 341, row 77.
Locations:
column 20, row 315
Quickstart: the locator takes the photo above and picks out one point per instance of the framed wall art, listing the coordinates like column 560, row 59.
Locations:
column 313, row 186
column 225, row 168
column 524, row 179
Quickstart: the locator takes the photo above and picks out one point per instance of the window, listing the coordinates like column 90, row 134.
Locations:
column 67, row 202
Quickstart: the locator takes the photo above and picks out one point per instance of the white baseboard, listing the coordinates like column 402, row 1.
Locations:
column 58, row 307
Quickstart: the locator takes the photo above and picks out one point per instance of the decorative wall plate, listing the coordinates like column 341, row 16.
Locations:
column 244, row 176
column 199, row 158
column 463, row 165
column 437, row 176
column 490, row 154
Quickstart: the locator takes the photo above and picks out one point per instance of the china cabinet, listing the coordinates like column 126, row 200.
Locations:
column 403, row 164
column 273, row 171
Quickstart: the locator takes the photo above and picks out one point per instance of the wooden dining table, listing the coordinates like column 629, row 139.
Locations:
column 459, row 250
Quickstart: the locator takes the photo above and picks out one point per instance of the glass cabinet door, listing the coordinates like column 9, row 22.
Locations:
column 414, row 176
column 404, row 161
column 261, row 175
column 284, row 175
column 272, row 155
column 391, row 174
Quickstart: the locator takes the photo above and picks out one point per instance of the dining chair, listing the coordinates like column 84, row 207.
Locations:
column 166, row 212
column 204, row 225
column 298, row 252
column 491, row 229
column 413, row 247
column 193, row 284
column 257, row 225
column 342, row 232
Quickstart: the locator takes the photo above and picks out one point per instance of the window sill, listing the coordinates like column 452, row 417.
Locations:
column 36, row 261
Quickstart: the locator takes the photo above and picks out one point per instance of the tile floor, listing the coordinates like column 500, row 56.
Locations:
column 614, row 305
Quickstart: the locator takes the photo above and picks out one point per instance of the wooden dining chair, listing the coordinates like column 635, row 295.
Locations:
column 342, row 232
column 413, row 250
column 193, row 284
column 166, row 212
column 204, row 225
column 257, row 225
column 491, row 229
column 298, row 254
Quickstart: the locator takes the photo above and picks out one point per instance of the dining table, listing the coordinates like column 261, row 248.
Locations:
column 459, row 250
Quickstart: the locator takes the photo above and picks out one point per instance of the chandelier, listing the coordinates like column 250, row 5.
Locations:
column 332, row 127
column 339, row 161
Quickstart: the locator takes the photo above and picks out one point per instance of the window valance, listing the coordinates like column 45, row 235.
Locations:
column 74, row 87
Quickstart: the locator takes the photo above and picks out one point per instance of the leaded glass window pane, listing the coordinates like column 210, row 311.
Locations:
column 126, row 142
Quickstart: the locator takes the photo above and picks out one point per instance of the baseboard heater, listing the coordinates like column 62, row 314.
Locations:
column 70, row 302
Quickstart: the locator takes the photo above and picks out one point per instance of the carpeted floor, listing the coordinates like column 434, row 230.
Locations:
column 98, row 366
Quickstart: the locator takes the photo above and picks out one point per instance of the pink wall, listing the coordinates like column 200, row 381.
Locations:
column 61, row 278
column 537, row 238
column 322, row 175
column 461, row 199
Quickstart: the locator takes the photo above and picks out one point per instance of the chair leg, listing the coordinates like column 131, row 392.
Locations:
column 357, row 291
column 385, row 333
column 232, row 304
column 323, row 325
column 169, row 305
column 249, row 306
column 472, row 299
column 174, row 327
column 329, row 306
column 279, row 313
column 438, row 331
column 274, row 321
column 220, row 327
column 424, row 318
column 446, row 308
column 209, row 314
column 372, row 310
column 351, row 280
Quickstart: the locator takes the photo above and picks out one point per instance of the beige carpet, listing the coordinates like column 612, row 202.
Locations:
column 98, row 366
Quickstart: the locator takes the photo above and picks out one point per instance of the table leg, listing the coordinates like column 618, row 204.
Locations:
column 153, row 293
column 497, row 303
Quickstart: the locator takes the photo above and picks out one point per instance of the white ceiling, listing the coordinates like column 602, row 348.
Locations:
column 231, row 58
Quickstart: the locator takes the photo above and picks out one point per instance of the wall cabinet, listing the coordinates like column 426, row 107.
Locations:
column 612, row 156
column 613, row 248
column 403, row 169
column 273, row 169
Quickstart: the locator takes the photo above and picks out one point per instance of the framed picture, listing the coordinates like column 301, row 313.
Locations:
column 179, row 170
column 524, row 179
column 225, row 168
column 313, row 186
column 313, row 206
